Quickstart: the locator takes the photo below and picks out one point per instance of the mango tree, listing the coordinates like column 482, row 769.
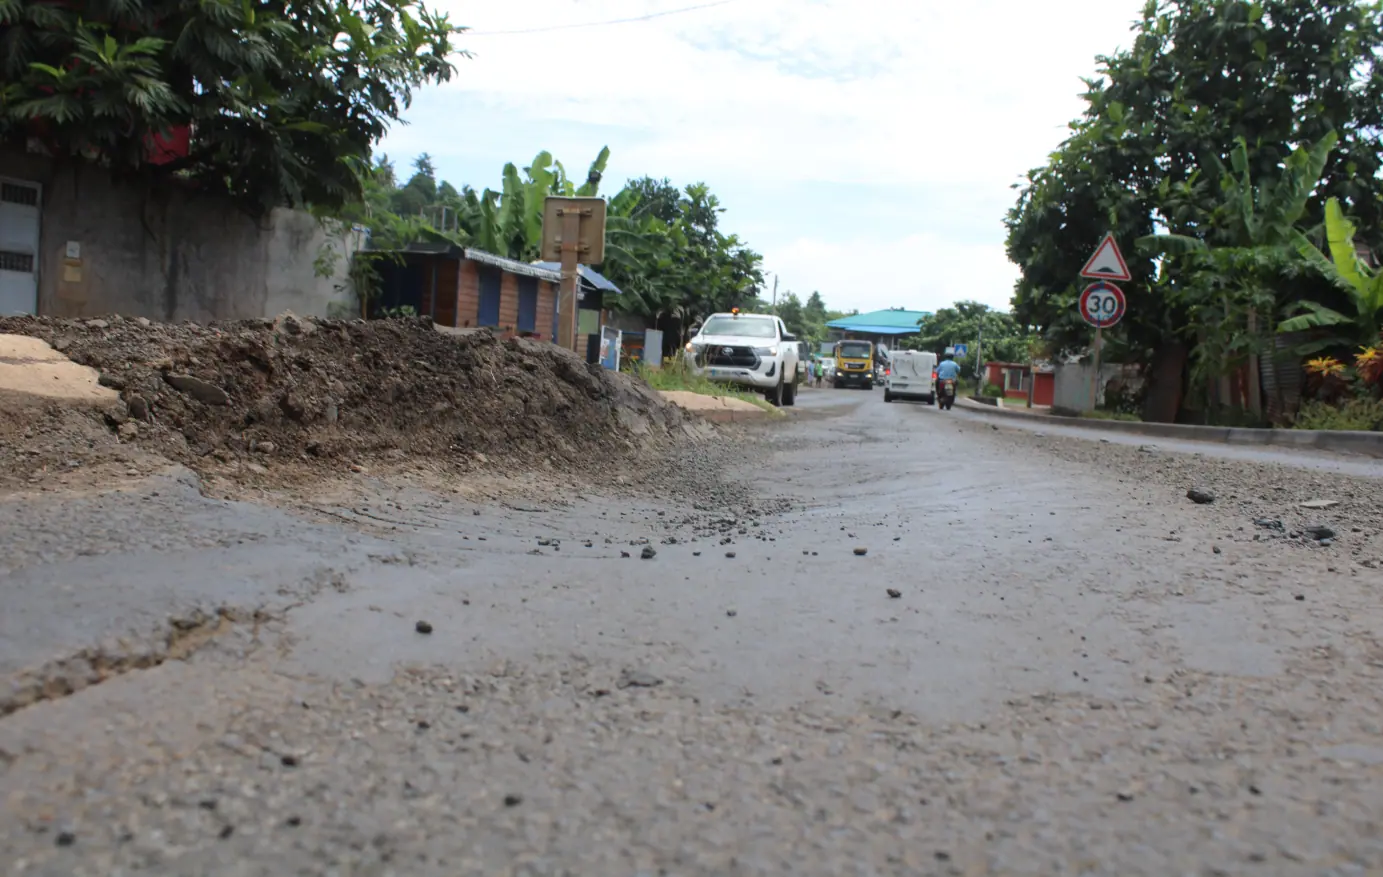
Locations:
column 1199, row 75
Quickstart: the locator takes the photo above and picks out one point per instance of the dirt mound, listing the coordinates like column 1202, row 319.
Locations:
column 246, row 394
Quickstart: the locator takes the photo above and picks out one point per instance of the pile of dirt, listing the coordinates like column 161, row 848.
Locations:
column 241, row 396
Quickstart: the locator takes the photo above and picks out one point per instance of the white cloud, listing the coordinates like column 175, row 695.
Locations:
column 800, row 92
column 919, row 272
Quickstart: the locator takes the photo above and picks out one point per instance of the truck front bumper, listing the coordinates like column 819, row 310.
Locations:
column 764, row 377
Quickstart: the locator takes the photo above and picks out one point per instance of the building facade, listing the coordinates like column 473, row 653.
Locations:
column 75, row 242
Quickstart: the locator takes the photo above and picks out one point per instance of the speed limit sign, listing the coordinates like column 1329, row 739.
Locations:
column 1102, row 304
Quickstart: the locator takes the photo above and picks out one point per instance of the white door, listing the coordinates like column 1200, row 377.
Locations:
column 19, row 206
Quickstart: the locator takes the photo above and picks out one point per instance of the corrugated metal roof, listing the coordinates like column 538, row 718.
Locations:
column 512, row 266
column 445, row 248
column 594, row 278
column 876, row 330
column 893, row 321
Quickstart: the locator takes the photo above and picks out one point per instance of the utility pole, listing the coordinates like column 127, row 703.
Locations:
column 979, row 351
column 775, row 295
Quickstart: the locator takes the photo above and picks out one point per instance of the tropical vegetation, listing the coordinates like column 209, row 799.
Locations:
column 279, row 104
column 1211, row 148
column 994, row 335
column 665, row 246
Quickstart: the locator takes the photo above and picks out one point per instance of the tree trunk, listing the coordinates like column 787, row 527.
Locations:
column 1162, row 400
column 1253, row 373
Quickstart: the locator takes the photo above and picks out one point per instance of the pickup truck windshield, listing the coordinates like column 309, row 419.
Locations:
column 749, row 327
column 858, row 350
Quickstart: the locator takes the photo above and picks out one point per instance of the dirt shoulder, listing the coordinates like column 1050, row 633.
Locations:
column 261, row 404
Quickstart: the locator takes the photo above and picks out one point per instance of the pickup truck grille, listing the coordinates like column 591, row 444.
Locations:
column 737, row 357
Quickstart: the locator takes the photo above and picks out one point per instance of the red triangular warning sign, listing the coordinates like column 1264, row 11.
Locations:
column 1107, row 263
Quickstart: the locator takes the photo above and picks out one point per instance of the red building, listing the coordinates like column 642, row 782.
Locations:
column 1023, row 381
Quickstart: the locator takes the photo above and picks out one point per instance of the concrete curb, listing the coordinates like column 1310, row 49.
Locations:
column 730, row 415
column 717, row 409
column 1368, row 444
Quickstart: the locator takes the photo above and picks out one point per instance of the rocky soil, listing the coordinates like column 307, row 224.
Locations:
column 272, row 400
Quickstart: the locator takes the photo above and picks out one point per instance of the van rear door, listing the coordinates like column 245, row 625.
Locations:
column 912, row 373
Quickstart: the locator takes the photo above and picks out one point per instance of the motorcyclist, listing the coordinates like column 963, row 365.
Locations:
column 948, row 369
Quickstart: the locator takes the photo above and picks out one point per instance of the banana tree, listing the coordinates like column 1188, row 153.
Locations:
column 1230, row 276
column 1362, row 285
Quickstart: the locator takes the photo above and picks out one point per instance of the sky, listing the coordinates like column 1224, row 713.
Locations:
column 868, row 150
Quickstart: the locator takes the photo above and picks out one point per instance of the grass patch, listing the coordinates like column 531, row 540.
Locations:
column 674, row 376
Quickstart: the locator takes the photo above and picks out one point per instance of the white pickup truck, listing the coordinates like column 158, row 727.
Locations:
column 752, row 350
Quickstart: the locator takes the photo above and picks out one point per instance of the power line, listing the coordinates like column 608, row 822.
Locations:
column 649, row 16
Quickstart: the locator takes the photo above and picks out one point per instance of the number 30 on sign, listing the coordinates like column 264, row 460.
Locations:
column 1102, row 304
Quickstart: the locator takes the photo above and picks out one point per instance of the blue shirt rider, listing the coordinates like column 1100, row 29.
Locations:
column 948, row 369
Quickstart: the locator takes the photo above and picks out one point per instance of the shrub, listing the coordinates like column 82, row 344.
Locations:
column 992, row 391
column 1358, row 415
column 1103, row 414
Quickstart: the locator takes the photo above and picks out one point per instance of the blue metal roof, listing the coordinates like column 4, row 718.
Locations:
column 877, row 330
column 594, row 278
column 892, row 321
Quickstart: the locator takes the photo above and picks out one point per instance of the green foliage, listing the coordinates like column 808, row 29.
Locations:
column 1362, row 286
column 805, row 320
column 992, row 391
column 285, row 102
column 681, row 267
column 1248, row 249
column 1360, row 414
column 995, row 335
column 664, row 247
column 675, row 376
column 1105, row 414
column 1206, row 82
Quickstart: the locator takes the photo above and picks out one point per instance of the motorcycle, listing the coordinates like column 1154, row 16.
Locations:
column 946, row 395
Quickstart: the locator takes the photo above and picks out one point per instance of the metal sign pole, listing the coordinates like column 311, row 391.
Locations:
column 1095, row 381
column 571, row 278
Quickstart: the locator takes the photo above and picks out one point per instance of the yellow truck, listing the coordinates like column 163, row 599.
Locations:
column 854, row 365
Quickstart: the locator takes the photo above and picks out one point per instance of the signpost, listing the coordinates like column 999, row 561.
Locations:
column 961, row 350
column 1107, row 263
column 573, row 234
column 1102, row 304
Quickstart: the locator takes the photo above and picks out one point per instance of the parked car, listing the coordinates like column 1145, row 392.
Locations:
column 752, row 350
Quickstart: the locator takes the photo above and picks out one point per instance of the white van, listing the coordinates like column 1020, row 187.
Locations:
column 910, row 376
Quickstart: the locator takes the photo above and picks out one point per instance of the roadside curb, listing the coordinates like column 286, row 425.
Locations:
column 717, row 409
column 726, row 415
column 1368, row 444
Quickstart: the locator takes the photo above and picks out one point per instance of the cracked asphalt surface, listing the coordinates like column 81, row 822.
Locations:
column 1083, row 673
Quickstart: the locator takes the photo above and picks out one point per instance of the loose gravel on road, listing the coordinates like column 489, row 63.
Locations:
column 1082, row 671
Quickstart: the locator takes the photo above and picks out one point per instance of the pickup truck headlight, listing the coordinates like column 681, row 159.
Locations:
column 767, row 351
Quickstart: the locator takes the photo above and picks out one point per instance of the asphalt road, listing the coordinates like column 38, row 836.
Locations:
column 1080, row 673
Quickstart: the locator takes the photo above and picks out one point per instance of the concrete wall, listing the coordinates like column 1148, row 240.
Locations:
column 169, row 253
column 1071, row 391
